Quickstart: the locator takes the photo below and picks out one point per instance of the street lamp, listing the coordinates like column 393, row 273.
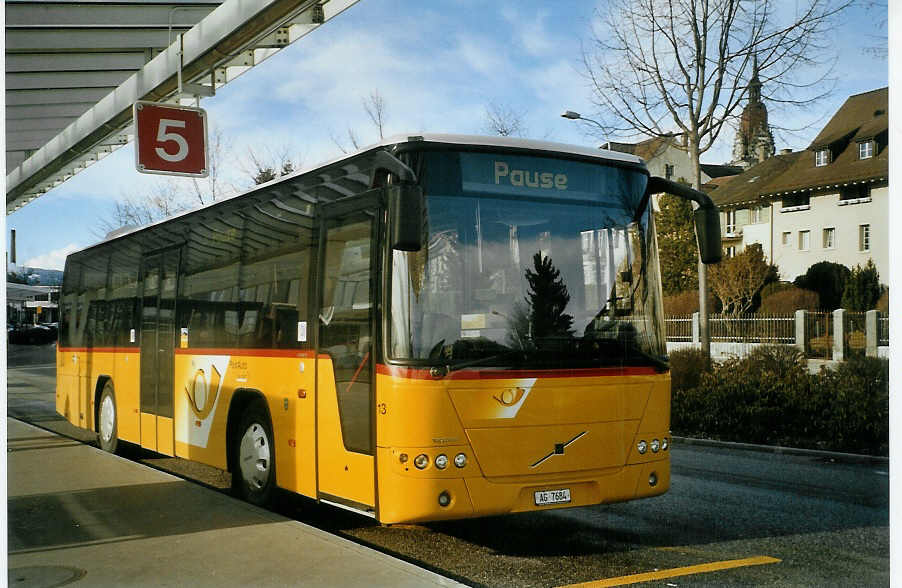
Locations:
column 577, row 116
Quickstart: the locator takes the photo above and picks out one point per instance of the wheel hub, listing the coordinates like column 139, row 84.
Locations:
column 107, row 418
column 254, row 456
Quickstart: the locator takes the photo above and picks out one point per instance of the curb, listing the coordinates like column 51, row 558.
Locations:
column 846, row 457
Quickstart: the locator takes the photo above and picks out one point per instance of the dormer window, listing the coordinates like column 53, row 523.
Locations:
column 866, row 150
column 821, row 157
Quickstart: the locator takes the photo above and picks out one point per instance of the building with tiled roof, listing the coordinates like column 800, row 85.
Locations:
column 826, row 203
column 667, row 157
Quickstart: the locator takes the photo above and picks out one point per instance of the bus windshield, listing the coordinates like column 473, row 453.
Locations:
column 529, row 262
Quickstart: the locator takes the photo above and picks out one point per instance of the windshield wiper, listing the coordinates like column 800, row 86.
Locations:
column 454, row 367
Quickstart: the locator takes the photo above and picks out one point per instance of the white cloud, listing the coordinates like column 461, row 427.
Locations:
column 531, row 29
column 55, row 259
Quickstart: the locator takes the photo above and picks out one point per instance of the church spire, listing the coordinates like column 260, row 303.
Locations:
column 754, row 142
column 754, row 83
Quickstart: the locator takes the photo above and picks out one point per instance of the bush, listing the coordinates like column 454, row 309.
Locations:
column 856, row 412
column 686, row 302
column 862, row 288
column 682, row 303
column 883, row 301
column 828, row 279
column 770, row 398
column 788, row 300
column 687, row 367
column 750, row 399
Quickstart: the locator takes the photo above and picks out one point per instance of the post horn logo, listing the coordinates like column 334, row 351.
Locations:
column 510, row 396
column 202, row 393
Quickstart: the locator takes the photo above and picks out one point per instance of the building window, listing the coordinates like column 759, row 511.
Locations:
column 731, row 221
column 864, row 237
column 821, row 157
column 730, row 251
column 804, row 240
column 759, row 214
column 668, row 171
column 866, row 150
column 786, row 237
column 829, row 238
column 854, row 194
column 796, row 201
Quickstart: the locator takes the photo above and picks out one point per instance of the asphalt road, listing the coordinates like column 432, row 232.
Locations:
column 790, row 520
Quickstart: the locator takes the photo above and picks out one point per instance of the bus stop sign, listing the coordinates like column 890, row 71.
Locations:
column 170, row 139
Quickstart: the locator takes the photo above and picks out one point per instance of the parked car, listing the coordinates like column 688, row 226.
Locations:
column 32, row 334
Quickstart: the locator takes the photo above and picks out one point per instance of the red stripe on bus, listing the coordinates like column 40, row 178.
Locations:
column 302, row 353
column 98, row 349
column 425, row 374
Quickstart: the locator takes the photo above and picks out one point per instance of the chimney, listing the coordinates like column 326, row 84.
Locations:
column 12, row 246
column 785, row 151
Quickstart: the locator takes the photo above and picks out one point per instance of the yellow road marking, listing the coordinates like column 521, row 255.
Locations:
column 675, row 572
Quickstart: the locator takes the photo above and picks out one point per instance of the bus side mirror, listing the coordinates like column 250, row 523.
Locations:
column 707, row 230
column 707, row 218
column 406, row 208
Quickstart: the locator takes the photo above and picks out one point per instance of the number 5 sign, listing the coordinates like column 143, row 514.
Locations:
column 170, row 139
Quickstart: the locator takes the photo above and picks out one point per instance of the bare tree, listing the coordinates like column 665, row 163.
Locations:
column 164, row 200
column 208, row 189
column 504, row 120
column 374, row 105
column 685, row 65
column 377, row 110
column 737, row 280
column 352, row 138
column 266, row 164
column 172, row 195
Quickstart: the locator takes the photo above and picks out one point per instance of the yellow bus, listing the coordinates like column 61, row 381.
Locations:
column 435, row 327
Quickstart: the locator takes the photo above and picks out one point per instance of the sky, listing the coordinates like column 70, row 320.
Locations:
column 437, row 64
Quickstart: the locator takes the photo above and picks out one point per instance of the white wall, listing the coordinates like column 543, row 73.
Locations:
column 825, row 212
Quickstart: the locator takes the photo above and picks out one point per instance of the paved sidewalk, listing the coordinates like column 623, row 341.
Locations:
column 79, row 515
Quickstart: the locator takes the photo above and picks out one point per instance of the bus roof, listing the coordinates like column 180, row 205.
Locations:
column 397, row 141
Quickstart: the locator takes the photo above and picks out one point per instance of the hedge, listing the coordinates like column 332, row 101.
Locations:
column 770, row 398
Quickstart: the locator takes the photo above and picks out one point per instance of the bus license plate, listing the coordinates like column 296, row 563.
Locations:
column 544, row 497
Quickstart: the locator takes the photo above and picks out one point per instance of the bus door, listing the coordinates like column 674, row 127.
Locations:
column 345, row 377
column 157, row 348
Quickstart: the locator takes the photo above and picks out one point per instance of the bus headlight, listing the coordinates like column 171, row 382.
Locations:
column 655, row 445
column 421, row 461
column 642, row 447
column 441, row 461
column 460, row 460
column 665, row 444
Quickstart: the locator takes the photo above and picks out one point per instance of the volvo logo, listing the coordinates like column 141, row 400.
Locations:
column 558, row 450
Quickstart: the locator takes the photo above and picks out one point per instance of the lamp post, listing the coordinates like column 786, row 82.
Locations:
column 577, row 116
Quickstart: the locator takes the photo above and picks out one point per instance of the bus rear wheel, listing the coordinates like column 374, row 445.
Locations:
column 254, row 470
column 107, row 420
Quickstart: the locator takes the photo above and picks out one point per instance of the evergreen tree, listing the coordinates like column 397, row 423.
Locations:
column 828, row 279
column 547, row 298
column 676, row 245
column 862, row 288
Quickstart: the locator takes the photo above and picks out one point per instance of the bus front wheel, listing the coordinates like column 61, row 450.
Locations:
column 254, row 471
column 107, row 420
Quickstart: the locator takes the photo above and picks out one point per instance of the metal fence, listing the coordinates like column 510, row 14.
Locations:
column 781, row 330
column 753, row 328
column 819, row 328
column 679, row 328
column 854, row 328
column 883, row 330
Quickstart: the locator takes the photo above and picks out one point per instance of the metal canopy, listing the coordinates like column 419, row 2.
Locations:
column 74, row 69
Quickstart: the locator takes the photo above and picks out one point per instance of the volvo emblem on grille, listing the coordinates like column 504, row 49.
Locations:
column 558, row 449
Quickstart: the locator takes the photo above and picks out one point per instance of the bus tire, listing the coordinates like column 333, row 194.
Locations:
column 254, row 472
column 108, row 420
